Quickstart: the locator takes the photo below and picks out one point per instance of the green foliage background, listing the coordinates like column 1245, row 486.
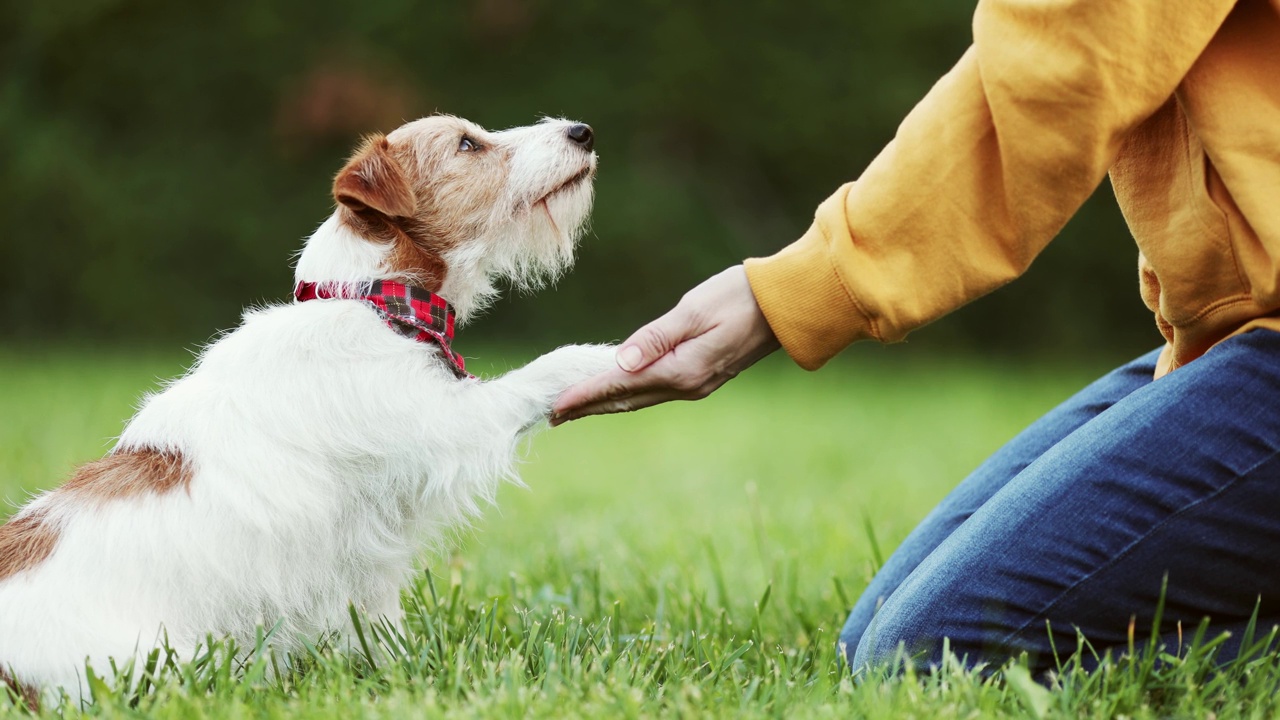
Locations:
column 160, row 161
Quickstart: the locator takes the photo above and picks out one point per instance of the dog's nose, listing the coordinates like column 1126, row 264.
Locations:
column 582, row 135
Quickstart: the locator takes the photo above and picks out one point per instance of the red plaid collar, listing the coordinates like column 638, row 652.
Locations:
column 410, row 311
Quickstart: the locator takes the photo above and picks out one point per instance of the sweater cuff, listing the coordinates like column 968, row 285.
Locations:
column 805, row 302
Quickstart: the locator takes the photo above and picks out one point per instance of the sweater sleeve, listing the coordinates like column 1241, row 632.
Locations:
column 984, row 171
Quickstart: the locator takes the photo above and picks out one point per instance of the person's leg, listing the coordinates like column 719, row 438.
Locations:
column 1181, row 478
column 986, row 480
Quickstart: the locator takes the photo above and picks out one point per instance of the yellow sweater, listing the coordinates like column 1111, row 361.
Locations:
column 1179, row 99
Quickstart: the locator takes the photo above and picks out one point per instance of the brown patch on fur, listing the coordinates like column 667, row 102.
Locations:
column 372, row 181
column 453, row 193
column 24, row 543
column 26, row 693
column 131, row 472
column 418, row 261
column 28, row 540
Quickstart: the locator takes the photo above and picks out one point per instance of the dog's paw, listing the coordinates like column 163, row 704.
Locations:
column 555, row 372
column 533, row 389
column 575, row 363
column 588, row 360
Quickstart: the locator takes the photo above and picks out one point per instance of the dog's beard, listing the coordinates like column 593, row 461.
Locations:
column 529, row 251
column 539, row 248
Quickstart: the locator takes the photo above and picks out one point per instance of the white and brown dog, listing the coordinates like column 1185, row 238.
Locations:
column 306, row 457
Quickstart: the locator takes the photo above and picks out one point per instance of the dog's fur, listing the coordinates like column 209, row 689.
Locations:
column 306, row 457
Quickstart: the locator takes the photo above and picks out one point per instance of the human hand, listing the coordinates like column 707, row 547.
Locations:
column 715, row 332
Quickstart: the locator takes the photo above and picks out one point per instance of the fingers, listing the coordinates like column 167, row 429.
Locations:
column 656, row 339
column 712, row 334
column 605, row 386
column 617, row 391
column 621, row 405
column 611, row 388
column 625, row 401
column 637, row 354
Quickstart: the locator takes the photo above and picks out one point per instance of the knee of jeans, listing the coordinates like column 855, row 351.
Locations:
column 876, row 648
column 871, row 636
column 860, row 616
column 850, row 637
column 902, row 629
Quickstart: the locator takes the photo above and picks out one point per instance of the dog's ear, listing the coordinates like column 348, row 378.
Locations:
column 372, row 180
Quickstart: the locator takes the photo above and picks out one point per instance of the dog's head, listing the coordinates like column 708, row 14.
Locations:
column 447, row 205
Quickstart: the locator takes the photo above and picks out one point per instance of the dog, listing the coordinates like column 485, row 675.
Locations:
column 309, row 455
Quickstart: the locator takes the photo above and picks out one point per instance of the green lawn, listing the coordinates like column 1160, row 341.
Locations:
column 694, row 559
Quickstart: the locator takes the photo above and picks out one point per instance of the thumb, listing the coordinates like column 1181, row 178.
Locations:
column 653, row 341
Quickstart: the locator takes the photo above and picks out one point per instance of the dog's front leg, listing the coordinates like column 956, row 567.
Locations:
column 530, row 391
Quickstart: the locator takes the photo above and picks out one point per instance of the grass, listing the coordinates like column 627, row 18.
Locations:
column 694, row 560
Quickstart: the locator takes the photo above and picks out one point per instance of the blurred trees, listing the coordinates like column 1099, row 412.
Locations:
column 160, row 161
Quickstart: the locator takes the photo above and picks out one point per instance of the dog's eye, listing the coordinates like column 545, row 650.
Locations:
column 468, row 145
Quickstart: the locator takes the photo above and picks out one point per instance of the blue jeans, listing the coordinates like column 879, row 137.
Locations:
column 1077, row 521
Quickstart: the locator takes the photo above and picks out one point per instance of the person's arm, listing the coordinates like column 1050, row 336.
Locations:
column 984, row 171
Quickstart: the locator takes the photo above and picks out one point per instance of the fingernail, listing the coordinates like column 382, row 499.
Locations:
column 629, row 358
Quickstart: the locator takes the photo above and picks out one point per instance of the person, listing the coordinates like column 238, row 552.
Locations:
column 1165, row 470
